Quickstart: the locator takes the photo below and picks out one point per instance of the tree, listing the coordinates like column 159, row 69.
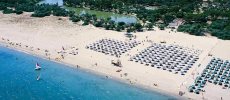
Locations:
column 71, row 13
column 85, row 23
column 193, row 29
column 18, row 12
column 149, row 26
column 57, row 11
column 138, row 27
column 107, row 27
column 75, row 18
column 2, row 6
column 180, row 14
column 167, row 18
column 42, row 10
column 8, row 11
column 99, row 23
column 121, row 23
column 162, row 26
column 118, row 28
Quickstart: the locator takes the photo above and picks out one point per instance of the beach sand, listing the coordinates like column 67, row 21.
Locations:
column 47, row 36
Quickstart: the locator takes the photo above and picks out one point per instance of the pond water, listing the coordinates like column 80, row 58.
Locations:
column 60, row 82
column 126, row 19
column 101, row 14
column 59, row 2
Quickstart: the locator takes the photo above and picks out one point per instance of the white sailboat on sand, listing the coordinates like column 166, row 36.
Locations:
column 37, row 67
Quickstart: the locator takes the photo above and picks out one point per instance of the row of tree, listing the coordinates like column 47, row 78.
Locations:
column 40, row 10
column 197, row 14
column 167, row 10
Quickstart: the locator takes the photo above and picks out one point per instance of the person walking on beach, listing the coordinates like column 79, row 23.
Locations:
column 62, row 56
column 202, row 95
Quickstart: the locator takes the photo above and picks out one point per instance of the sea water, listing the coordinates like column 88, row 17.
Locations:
column 18, row 81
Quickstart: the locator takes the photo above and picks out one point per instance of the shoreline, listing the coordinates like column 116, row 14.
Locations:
column 146, row 88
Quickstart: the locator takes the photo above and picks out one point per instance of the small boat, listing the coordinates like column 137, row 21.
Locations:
column 37, row 67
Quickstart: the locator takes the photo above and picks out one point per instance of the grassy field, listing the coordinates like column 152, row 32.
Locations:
column 100, row 14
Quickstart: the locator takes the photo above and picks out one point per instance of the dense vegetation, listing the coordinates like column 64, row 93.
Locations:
column 20, row 6
column 200, row 17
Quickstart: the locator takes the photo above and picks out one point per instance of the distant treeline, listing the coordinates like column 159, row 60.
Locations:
column 19, row 1
column 200, row 16
column 20, row 6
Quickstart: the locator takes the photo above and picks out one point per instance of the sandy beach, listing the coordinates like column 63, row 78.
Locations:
column 49, row 36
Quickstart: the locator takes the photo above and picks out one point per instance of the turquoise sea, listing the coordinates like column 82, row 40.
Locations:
column 60, row 82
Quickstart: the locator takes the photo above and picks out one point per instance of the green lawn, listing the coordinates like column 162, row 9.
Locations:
column 99, row 14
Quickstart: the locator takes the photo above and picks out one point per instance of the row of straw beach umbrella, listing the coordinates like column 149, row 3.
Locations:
column 112, row 47
column 172, row 58
column 216, row 72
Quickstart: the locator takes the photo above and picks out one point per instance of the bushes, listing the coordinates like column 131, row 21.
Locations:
column 13, row 2
column 138, row 27
column 41, row 13
column 42, row 10
column 71, row 13
column 46, row 10
column 107, row 27
column 39, row 10
column 18, row 12
column 221, row 34
column 75, row 18
column 219, row 24
column 2, row 6
column 168, row 18
column 99, row 24
column 193, row 29
column 149, row 26
column 118, row 28
column 8, row 11
column 220, row 29
column 121, row 23
column 162, row 26
column 25, row 7
column 86, row 22
column 58, row 11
